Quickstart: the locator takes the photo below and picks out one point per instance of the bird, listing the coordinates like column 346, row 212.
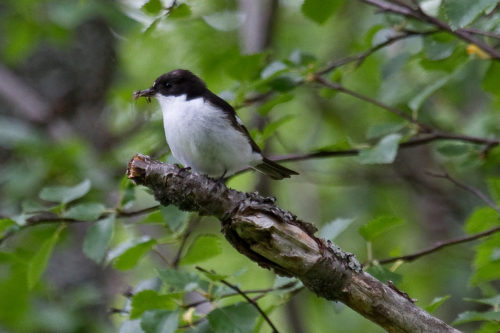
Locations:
column 203, row 131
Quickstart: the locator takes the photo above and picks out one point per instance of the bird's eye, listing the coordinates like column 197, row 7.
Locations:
column 168, row 85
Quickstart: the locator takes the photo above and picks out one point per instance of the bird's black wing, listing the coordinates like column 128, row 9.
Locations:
column 231, row 115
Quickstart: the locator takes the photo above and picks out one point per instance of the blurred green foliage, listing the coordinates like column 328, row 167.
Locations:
column 81, row 251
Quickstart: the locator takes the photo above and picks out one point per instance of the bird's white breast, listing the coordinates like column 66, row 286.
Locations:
column 202, row 137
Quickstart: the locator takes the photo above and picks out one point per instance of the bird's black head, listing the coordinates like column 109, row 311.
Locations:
column 175, row 83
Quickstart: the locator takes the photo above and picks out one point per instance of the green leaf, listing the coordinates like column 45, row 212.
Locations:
column 461, row 13
column 470, row 316
column 283, row 83
column 449, row 64
column 127, row 192
column 65, row 194
column 174, row 217
column 301, row 58
column 436, row 302
column 180, row 11
column 486, row 269
column 332, row 229
column 384, row 129
column 481, row 219
column 6, row 224
column 32, row 206
column 383, row 274
column 131, row 326
column 384, row 152
column 126, row 255
column 160, row 321
column 320, row 10
column 453, row 149
column 38, row 263
column 236, row 318
column 152, row 7
column 179, row 280
column 224, row 20
column 494, row 188
column 265, row 108
column 85, row 211
column 203, row 248
column 378, row 226
column 492, row 301
column 150, row 299
column 490, row 80
column 424, row 94
column 439, row 46
column 274, row 68
column 272, row 127
column 98, row 237
column 245, row 67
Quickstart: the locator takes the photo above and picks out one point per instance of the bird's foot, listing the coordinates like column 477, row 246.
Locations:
column 184, row 169
column 222, row 179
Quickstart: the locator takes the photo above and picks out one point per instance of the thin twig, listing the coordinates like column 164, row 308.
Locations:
column 439, row 246
column 161, row 256
column 118, row 311
column 121, row 213
column 245, row 296
column 460, row 240
column 261, row 292
column 360, row 57
column 466, row 187
column 418, row 14
column 476, row 31
column 436, row 134
column 48, row 217
column 191, row 226
column 338, row 87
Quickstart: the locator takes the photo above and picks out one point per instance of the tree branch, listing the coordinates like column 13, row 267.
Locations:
column 261, row 292
column 466, row 187
column 421, row 16
column 439, row 246
column 434, row 134
column 338, row 87
column 49, row 217
column 248, row 299
column 277, row 240
column 460, row 240
column 360, row 57
column 407, row 144
column 193, row 222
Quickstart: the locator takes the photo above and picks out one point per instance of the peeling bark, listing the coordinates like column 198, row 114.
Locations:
column 277, row 240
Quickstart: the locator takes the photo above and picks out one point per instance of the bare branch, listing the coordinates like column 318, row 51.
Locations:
column 421, row 16
column 476, row 31
column 49, row 217
column 261, row 292
column 338, row 87
column 466, row 187
column 360, row 57
column 465, row 239
column 439, row 246
column 245, row 296
column 191, row 226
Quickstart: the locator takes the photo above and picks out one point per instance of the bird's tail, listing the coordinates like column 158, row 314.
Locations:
column 274, row 170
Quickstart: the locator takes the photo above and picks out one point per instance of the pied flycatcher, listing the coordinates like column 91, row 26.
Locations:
column 203, row 130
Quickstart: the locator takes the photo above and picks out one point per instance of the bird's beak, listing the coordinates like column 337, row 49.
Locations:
column 147, row 93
